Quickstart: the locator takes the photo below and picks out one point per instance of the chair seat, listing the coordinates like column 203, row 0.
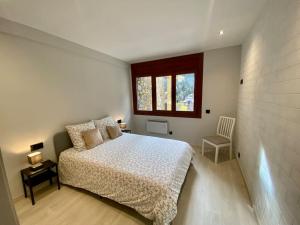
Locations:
column 217, row 140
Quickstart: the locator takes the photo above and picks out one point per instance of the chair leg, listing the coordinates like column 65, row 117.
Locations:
column 216, row 155
column 230, row 151
column 203, row 143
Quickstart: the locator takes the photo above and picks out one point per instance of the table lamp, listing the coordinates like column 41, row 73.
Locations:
column 123, row 125
column 35, row 158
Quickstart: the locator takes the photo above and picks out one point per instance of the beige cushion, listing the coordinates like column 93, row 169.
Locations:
column 92, row 138
column 74, row 132
column 102, row 124
column 114, row 131
column 217, row 140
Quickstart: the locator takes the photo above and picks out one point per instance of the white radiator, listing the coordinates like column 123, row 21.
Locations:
column 157, row 127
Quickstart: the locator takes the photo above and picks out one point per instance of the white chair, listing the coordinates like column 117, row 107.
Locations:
column 223, row 138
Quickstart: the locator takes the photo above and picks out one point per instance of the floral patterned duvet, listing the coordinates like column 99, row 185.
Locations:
column 142, row 172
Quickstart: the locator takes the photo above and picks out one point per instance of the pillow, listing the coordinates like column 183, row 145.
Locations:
column 103, row 123
column 114, row 131
column 74, row 132
column 92, row 138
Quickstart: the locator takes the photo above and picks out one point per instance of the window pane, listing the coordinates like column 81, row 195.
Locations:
column 185, row 86
column 144, row 93
column 164, row 93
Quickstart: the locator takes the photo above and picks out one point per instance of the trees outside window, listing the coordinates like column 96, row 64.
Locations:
column 164, row 93
column 144, row 93
column 185, row 88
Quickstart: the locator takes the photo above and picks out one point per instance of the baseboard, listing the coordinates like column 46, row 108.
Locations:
column 250, row 197
column 18, row 198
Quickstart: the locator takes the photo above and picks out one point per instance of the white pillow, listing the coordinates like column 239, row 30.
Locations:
column 101, row 125
column 74, row 132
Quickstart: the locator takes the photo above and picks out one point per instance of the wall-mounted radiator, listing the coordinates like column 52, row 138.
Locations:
column 157, row 127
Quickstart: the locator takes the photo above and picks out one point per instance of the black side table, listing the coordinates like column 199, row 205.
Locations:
column 32, row 178
column 126, row 130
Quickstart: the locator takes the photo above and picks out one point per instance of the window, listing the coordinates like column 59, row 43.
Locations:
column 144, row 93
column 185, row 88
column 168, row 87
column 164, row 93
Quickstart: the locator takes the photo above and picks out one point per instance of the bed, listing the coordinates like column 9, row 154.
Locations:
column 142, row 172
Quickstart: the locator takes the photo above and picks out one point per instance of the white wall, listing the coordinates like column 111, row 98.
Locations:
column 220, row 90
column 268, row 128
column 47, row 83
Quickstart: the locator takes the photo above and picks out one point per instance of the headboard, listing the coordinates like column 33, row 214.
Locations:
column 62, row 142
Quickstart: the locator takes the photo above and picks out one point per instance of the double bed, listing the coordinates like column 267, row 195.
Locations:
column 142, row 172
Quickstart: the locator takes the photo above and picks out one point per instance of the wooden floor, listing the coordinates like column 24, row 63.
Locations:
column 212, row 195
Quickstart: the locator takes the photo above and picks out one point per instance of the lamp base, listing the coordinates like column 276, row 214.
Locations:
column 36, row 166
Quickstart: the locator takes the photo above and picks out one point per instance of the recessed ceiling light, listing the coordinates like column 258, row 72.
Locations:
column 221, row 32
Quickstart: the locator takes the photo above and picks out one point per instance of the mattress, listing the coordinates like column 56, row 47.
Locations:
column 142, row 172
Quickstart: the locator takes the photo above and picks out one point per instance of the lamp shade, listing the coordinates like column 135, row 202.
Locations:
column 123, row 125
column 34, row 158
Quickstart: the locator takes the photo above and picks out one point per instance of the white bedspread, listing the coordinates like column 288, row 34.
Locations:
column 142, row 172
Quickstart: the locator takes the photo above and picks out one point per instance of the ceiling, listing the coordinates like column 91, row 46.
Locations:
column 136, row 30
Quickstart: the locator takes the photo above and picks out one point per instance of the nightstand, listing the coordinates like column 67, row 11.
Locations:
column 126, row 130
column 32, row 178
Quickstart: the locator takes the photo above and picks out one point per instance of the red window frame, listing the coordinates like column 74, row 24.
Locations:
column 165, row 67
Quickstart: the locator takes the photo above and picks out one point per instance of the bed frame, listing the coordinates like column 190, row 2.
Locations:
column 61, row 142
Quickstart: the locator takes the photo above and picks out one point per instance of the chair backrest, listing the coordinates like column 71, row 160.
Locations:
column 226, row 126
